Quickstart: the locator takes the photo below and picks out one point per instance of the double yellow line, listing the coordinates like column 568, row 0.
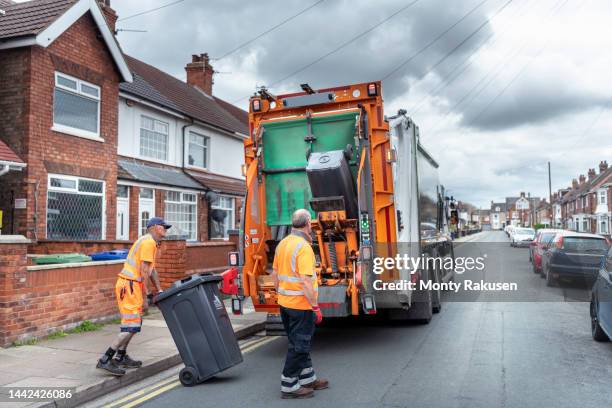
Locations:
column 138, row 397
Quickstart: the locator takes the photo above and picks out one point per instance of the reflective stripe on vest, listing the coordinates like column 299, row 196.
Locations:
column 296, row 278
column 132, row 262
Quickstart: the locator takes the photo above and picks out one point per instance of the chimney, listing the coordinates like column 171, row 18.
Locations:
column 200, row 73
column 522, row 194
column 592, row 174
column 581, row 179
column 603, row 166
column 575, row 183
column 109, row 14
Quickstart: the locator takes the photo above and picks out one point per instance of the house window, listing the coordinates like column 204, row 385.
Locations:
column 181, row 213
column 584, row 225
column 603, row 197
column 222, row 216
column 122, row 191
column 144, row 220
column 153, row 138
column 75, row 208
column 198, row 150
column 603, row 226
column 76, row 106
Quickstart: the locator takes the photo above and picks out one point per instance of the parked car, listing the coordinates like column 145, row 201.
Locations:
column 541, row 241
column 522, row 237
column 573, row 255
column 601, row 301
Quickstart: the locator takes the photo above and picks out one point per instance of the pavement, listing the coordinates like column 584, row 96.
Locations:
column 530, row 350
column 70, row 361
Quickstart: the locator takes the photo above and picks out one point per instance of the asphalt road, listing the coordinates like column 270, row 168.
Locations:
column 532, row 350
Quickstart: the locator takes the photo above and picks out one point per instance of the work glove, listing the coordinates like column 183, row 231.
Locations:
column 318, row 314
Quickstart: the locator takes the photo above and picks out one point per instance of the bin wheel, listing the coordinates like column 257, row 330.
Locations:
column 188, row 376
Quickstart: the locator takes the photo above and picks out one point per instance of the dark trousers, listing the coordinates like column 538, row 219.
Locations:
column 300, row 327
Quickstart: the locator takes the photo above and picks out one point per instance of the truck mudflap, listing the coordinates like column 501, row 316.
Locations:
column 333, row 301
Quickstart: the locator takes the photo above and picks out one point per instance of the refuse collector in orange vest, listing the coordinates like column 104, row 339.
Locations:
column 131, row 290
column 296, row 284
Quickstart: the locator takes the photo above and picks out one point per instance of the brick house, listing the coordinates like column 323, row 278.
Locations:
column 60, row 69
column 109, row 140
column 585, row 206
column 520, row 211
column 180, row 153
column 542, row 213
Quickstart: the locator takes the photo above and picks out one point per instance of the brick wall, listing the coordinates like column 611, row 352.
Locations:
column 36, row 301
column 14, row 70
column 83, row 247
column 208, row 256
column 79, row 52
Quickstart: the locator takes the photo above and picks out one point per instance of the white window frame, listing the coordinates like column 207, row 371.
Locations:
column 602, row 196
column 76, row 191
column 140, row 128
column 58, row 127
column 233, row 213
column 207, row 153
column 183, row 201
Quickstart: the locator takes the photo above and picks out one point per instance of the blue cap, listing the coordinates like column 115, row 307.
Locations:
column 157, row 221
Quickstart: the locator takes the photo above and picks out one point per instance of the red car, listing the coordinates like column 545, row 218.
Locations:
column 538, row 246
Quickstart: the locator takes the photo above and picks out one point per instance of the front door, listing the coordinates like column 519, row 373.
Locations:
column 123, row 213
column 146, row 209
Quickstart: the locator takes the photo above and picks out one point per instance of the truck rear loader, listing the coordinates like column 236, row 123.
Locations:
column 372, row 191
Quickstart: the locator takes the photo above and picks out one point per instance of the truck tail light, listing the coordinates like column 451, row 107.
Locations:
column 236, row 306
column 369, row 305
column 372, row 89
column 233, row 258
column 256, row 105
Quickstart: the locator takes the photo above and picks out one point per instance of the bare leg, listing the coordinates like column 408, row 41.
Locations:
column 122, row 341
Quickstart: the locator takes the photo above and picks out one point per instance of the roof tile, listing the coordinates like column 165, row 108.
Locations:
column 31, row 17
column 7, row 155
column 169, row 92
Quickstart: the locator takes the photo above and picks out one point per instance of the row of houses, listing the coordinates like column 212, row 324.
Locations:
column 586, row 205
column 517, row 210
column 93, row 142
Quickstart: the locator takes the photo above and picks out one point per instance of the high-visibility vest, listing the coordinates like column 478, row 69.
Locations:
column 294, row 257
column 131, row 267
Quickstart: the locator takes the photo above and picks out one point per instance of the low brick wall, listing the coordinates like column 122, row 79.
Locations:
column 37, row 300
column 208, row 256
column 84, row 247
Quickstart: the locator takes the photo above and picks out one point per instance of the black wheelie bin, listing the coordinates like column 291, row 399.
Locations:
column 200, row 327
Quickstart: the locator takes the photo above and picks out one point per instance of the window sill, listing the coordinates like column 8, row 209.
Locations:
column 76, row 132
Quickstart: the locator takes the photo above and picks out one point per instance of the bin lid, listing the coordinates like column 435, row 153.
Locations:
column 188, row 282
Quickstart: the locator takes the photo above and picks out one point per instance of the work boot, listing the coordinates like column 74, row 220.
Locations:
column 126, row 362
column 110, row 367
column 318, row 384
column 300, row 393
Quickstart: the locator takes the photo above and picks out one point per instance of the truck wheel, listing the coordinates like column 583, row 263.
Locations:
column 421, row 312
column 436, row 298
column 188, row 377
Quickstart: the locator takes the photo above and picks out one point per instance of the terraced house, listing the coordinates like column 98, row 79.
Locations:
column 105, row 141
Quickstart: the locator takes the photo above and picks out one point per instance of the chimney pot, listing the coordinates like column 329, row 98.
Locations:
column 574, row 183
column 200, row 73
column 603, row 166
column 582, row 179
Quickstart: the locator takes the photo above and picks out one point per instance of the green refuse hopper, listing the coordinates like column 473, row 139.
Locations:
column 60, row 259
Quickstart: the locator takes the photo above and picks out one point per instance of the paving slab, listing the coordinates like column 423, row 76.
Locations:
column 70, row 361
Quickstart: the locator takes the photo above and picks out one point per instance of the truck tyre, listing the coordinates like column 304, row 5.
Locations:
column 274, row 325
column 436, row 299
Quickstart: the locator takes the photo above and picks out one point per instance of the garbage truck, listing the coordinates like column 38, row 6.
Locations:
column 372, row 190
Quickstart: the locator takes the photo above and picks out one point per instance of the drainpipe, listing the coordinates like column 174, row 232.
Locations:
column 4, row 170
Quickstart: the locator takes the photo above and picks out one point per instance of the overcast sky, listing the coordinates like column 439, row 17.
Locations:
column 493, row 105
